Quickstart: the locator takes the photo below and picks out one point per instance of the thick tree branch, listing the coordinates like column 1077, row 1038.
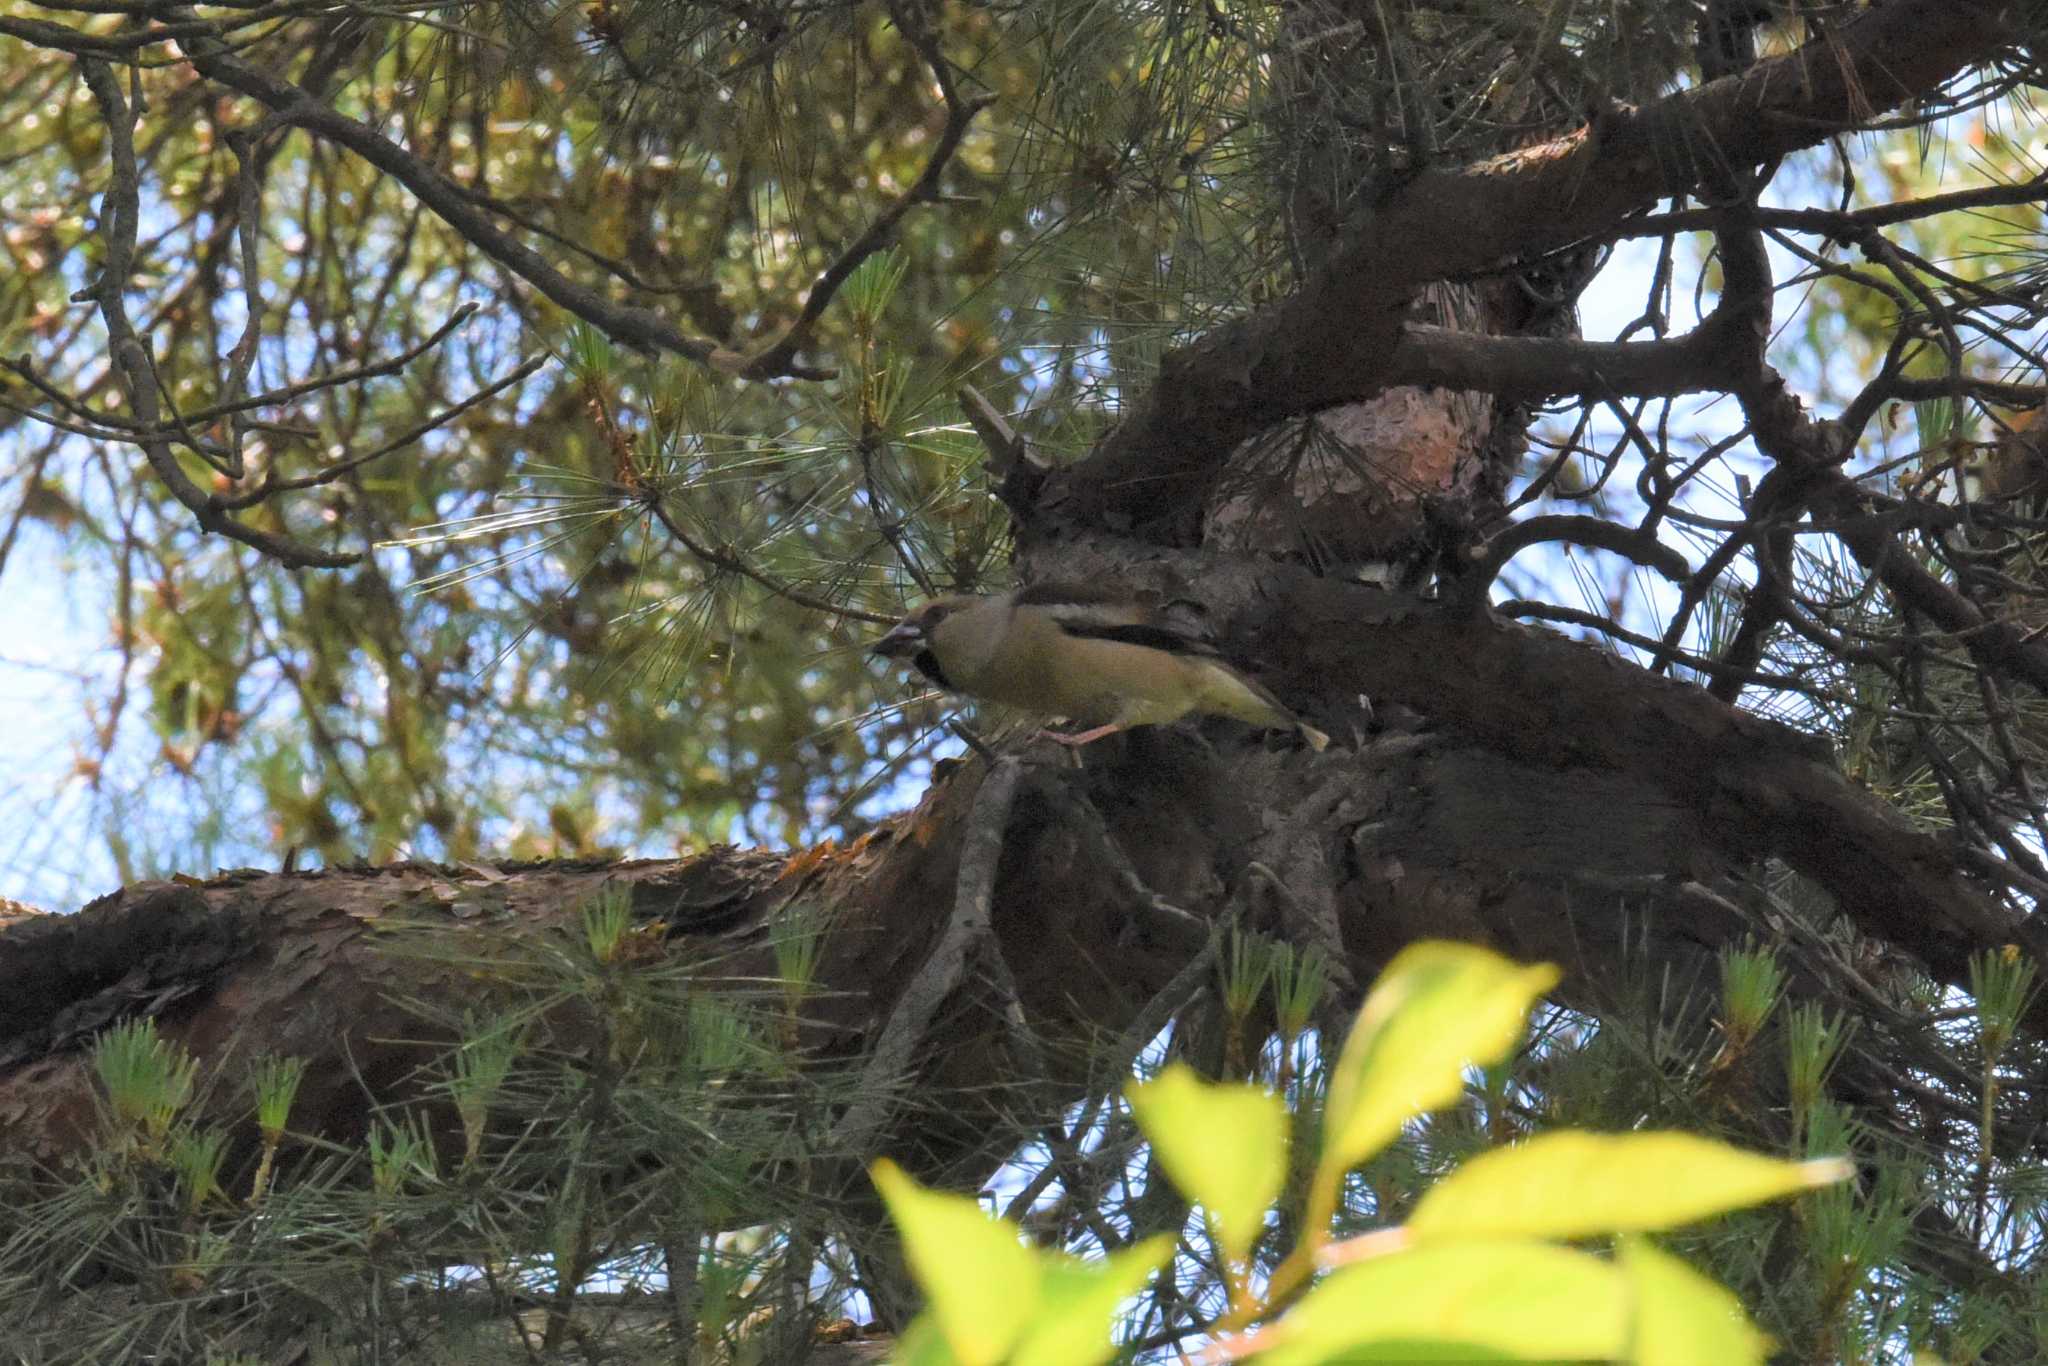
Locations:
column 1530, row 369
column 1541, row 699
column 1333, row 340
column 1564, row 798
column 1546, row 700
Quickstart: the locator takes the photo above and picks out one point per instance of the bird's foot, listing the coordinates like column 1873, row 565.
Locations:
column 1079, row 738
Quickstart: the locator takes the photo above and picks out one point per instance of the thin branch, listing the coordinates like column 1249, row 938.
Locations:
column 1762, row 609
column 1842, row 226
column 335, row 379
column 333, row 472
column 79, row 410
column 731, row 563
column 640, row 328
column 64, row 424
column 776, row 357
column 943, row 971
column 1522, row 610
column 132, row 358
column 242, row 357
column 1332, row 339
column 1992, row 643
column 1638, row 544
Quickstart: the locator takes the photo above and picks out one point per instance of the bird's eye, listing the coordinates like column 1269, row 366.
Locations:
column 935, row 614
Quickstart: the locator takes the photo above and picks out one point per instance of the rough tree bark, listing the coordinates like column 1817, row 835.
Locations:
column 1508, row 787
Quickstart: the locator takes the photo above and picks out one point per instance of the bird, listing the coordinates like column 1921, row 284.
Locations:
column 1082, row 652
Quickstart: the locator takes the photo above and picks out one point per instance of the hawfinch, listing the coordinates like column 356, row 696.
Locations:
column 1081, row 653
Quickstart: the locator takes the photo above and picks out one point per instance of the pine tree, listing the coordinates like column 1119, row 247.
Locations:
column 489, row 435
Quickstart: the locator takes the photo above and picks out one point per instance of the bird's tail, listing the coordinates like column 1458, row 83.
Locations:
column 1233, row 694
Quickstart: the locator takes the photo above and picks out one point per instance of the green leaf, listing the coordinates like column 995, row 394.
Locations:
column 1078, row 1303
column 1475, row 1302
column 981, row 1283
column 922, row 1344
column 1681, row 1316
column 1575, row 1185
column 1936, row 418
column 1438, row 1008
column 1224, row 1145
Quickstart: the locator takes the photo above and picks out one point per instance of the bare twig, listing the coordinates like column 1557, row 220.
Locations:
column 328, row 475
column 1837, row 224
column 943, row 971
column 734, row 564
column 640, row 328
column 131, row 356
column 1521, row 610
column 778, row 356
column 1637, row 544
column 242, row 357
column 1018, row 475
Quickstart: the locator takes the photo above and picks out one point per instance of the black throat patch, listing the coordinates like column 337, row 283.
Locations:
column 927, row 664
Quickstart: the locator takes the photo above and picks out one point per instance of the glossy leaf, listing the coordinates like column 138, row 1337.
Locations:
column 1576, row 1185
column 1224, row 1145
column 981, row 1283
column 1682, row 1317
column 1478, row 1302
column 1437, row 1009
column 922, row 1344
column 1078, row 1303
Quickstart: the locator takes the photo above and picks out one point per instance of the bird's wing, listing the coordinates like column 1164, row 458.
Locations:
column 1093, row 613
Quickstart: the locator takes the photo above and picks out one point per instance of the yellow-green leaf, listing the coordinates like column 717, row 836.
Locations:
column 1575, row 1185
column 1078, row 1303
column 922, row 1344
column 981, row 1283
column 1224, row 1145
column 1464, row 1302
column 1438, row 1008
column 1681, row 1317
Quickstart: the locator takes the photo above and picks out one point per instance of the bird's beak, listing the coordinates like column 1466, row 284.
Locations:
column 905, row 640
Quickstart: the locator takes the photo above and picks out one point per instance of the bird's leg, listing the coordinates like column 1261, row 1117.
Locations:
column 1075, row 741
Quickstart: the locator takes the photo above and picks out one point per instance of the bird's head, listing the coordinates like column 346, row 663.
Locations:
column 912, row 636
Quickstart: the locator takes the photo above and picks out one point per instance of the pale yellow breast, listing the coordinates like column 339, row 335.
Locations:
column 1042, row 669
